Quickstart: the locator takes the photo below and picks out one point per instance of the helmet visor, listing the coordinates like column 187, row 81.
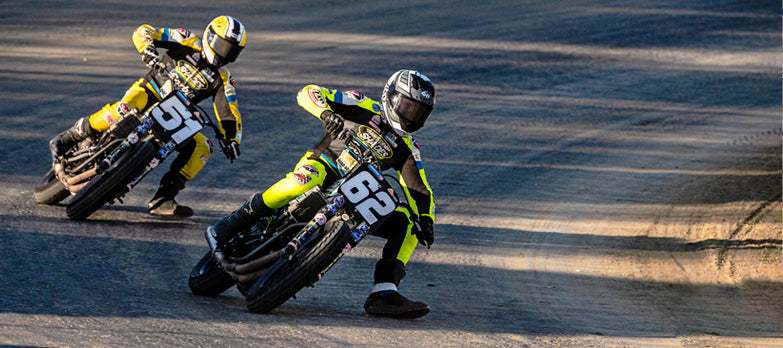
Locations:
column 228, row 51
column 412, row 113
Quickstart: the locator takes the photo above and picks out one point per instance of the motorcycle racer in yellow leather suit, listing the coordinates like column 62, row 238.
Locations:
column 196, row 67
column 386, row 127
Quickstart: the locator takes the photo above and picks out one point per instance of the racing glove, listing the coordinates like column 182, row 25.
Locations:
column 332, row 122
column 423, row 231
column 231, row 149
column 150, row 56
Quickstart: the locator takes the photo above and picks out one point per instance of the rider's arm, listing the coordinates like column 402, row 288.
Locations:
column 313, row 99
column 225, row 104
column 146, row 35
column 316, row 100
column 414, row 182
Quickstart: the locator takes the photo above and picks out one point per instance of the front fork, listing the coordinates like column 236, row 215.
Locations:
column 326, row 213
column 130, row 140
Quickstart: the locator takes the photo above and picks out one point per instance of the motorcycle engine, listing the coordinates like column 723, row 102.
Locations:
column 304, row 207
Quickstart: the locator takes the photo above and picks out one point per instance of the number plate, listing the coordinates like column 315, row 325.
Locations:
column 369, row 195
column 175, row 119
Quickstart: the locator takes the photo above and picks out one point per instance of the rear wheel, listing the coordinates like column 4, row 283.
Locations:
column 207, row 279
column 287, row 276
column 104, row 187
column 50, row 190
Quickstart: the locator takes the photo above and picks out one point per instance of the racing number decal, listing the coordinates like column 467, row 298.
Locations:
column 173, row 116
column 361, row 190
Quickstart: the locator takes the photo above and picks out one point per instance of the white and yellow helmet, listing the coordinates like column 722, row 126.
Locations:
column 223, row 39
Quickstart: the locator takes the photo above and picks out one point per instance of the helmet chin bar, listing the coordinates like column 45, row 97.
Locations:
column 398, row 127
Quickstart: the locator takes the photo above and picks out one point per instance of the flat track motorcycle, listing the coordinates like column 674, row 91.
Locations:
column 104, row 168
column 281, row 254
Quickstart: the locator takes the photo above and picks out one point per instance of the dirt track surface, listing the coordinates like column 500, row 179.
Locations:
column 607, row 173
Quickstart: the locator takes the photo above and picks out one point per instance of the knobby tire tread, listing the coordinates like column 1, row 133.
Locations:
column 95, row 195
column 285, row 281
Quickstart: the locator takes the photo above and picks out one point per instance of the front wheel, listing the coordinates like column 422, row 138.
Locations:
column 207, row 279
column 104, row 187
column 289, row 275
column 51, row 190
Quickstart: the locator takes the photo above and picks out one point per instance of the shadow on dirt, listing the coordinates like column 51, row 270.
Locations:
column 69, row 275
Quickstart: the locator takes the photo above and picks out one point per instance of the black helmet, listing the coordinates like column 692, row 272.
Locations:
column 408, row 99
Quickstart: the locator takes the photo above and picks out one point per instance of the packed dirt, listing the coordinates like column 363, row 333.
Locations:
column 607, row 173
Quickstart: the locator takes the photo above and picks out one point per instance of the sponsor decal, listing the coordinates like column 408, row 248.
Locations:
column 374, row 125
column 376, row 142
column 301, row 179
column 316, row 98
column 231, row 92
column 354, row 95
column 376, row 107
column 208, row 74
column 191, row 60
column 123, row 109
column 391, row 138
column 145, row 37
column 188, row 73
column 203, row 159
column 346, row 162
column 309, row 169
column 108, row 118
column 416, row 153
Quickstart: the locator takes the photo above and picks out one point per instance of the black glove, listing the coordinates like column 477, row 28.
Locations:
column 231, row 149
column 423, row 231
column 150, row 56
column 333, row 123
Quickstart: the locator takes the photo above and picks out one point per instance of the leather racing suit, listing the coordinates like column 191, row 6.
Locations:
column 189, row 72
column 322, row 166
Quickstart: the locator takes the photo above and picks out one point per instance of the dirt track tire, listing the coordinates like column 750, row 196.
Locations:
column 286, row 277
column 50, row 191
column 102, row 188
column 206, row 279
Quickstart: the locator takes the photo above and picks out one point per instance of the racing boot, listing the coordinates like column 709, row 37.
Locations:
column 61, row 143
column 241, row 219
column 385, row 300
column 163, row 203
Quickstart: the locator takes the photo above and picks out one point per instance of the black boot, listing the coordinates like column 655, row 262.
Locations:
column 389, row 303
column 241, row 219
column 61, row 143
column 385, row 300
column 163, row 203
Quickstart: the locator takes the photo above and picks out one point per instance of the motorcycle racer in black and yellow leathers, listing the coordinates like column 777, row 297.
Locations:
column 386, row 127
column 194, row 66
